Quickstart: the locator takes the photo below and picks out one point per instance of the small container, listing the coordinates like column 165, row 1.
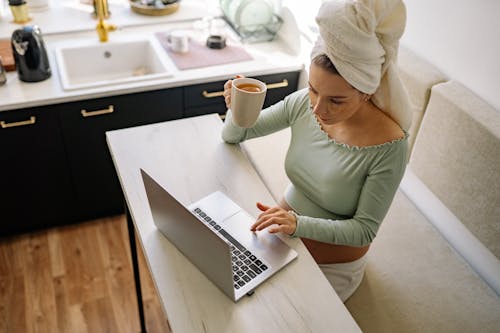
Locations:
column 19, row 10
column 216, row 42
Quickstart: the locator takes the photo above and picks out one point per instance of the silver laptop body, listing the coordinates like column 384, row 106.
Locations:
column 214, row 234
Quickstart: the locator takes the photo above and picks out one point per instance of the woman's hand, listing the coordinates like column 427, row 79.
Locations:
column 227, row 91
column 278, row 219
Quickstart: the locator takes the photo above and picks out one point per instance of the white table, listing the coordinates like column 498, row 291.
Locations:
column 190, row 158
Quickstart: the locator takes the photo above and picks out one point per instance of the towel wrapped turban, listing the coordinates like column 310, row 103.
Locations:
column 361, row 38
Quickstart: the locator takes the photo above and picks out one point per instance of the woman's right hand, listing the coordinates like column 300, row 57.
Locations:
column 227, row 91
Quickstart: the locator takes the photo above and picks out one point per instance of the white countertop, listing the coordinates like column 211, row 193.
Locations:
column 63, row 16
column 268, row 58
column 297, row 299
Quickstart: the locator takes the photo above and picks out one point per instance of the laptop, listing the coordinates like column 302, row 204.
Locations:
column 214, row 234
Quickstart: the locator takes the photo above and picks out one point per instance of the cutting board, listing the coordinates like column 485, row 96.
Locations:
column 7, row 56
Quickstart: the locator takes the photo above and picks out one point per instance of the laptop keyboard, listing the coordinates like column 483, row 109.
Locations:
column 246, row 266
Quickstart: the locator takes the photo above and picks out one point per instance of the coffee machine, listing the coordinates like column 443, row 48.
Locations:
column 30, row 55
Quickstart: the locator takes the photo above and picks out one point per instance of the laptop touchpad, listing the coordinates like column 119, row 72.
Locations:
column 218, row 206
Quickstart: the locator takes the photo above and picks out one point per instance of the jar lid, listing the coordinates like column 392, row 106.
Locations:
column 216, row 42
column 16, row 2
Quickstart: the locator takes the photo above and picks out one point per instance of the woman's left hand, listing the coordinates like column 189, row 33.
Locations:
column 278, row 219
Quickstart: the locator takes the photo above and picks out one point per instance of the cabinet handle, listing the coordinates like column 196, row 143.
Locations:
column 207, row 94
column 30, row 121
column 109, row 109
column 276, row 85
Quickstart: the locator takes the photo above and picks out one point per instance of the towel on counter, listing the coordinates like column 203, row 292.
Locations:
column 361, row 38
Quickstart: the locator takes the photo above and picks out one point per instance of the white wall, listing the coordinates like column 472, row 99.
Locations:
column 462, row 38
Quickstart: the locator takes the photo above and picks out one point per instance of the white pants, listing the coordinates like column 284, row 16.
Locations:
column 346, row 277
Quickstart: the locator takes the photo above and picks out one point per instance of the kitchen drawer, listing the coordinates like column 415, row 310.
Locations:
column 36, row 189
column 84, row 126
column 208, row 96
column 206, row 109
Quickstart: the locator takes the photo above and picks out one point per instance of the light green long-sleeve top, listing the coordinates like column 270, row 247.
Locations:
column 340, row 193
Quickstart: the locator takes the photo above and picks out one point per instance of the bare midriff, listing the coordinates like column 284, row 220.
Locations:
column 326, row 253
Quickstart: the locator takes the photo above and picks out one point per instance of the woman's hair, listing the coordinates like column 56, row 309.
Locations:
column 325, row 63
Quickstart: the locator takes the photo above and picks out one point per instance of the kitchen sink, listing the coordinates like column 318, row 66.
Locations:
column 90, row 63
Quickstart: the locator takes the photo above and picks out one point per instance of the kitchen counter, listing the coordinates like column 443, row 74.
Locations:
column 280, row 55
column 68, row 16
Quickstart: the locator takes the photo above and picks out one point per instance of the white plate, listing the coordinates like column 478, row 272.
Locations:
column 250, row 14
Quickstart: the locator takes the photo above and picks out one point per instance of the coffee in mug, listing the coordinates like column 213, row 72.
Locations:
column 247, row 99
column 249, row 87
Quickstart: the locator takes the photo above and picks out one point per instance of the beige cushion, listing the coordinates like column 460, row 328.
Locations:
column 415, row 282
column 457, row 156
column 418, row 76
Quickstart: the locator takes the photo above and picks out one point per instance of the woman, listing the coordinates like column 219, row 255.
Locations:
column 348, row 148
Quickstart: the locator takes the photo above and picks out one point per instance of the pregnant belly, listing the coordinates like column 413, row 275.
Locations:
column 325, row 253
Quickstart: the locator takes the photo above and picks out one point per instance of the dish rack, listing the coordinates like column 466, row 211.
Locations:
column 257, row 32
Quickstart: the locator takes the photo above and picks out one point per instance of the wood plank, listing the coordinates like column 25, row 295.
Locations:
column 47, row 280
column 155, row 318
column 79, row 322
column 97, row 323
column 12, row 304
column 12, row 307
column 56, row 253
column 118, row 270
column 83, row 263
column 65, row 319
column 39, row 292
column 11, row 258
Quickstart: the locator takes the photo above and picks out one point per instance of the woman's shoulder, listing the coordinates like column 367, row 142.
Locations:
column 298, row 98
column 297, row 103
column 391, row 131
column 383, row 129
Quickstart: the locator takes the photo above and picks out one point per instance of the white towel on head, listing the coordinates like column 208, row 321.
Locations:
column 361, row 38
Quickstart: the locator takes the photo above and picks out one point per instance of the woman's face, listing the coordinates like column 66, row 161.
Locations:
column 333, row 100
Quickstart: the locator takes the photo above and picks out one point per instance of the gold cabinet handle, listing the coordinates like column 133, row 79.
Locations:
column 30, row 121
column 109, row 109
column 207, row 94
column 276, row 85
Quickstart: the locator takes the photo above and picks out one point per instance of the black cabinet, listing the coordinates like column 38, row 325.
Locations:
column 84, row 125
column 207, row 98
column 55, row 166
column 35, row 185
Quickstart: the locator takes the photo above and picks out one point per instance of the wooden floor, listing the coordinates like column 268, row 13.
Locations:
column 74, row 279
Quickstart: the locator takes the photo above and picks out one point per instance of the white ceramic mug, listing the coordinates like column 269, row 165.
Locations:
column 247, row 99
column 178, row 41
